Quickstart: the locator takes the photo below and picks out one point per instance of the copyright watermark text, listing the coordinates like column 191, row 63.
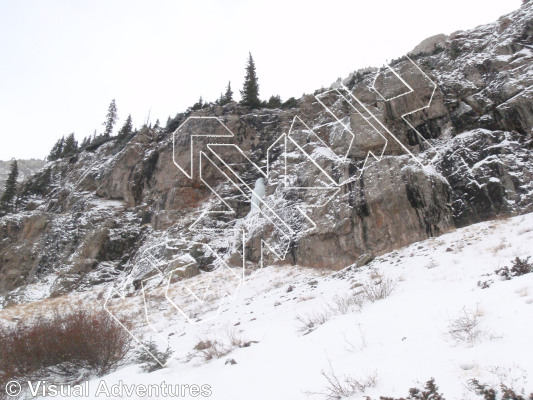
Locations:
column 106, row 390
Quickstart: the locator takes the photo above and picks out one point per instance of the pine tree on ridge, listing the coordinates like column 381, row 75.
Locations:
column 126, row 129
column 250, row 90
column 228, row 96
column 111, row 118
column 8, row 199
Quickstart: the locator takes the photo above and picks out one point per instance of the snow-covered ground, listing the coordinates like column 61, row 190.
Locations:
column 298, row 323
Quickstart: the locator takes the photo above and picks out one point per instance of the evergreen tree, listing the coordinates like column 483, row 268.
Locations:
column 7, row 201
column 228, row 96
column 250, row 90
column 57, row 150
column 174, row 123
column 111, row 118
column 70, row 147
column 38, row 184
column 86, row 142
column 126, row 129
column 290, row 103
column 198, row 105
column 274, row 102
column 44, row 181
column 157, row 130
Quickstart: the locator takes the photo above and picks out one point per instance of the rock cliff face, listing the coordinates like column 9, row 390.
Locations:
column 448, row 130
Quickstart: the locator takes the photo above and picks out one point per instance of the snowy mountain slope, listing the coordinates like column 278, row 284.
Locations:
column 119, row 224
column 398, row 341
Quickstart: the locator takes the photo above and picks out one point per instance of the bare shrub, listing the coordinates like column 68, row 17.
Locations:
column 362, row 339
column 343, row 304
column 459, row 246
column 525, row 230
column 208, row 349
column 378, row 289
column 309, row 322
column 234, row 337
column 339, row 387
column 340, row 304
column 305, row 297
column 512, row 377
column 503, row 244
column 465, row 328
column 75, row 341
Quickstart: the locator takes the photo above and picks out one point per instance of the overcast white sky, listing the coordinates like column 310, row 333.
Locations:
column 62, row 61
